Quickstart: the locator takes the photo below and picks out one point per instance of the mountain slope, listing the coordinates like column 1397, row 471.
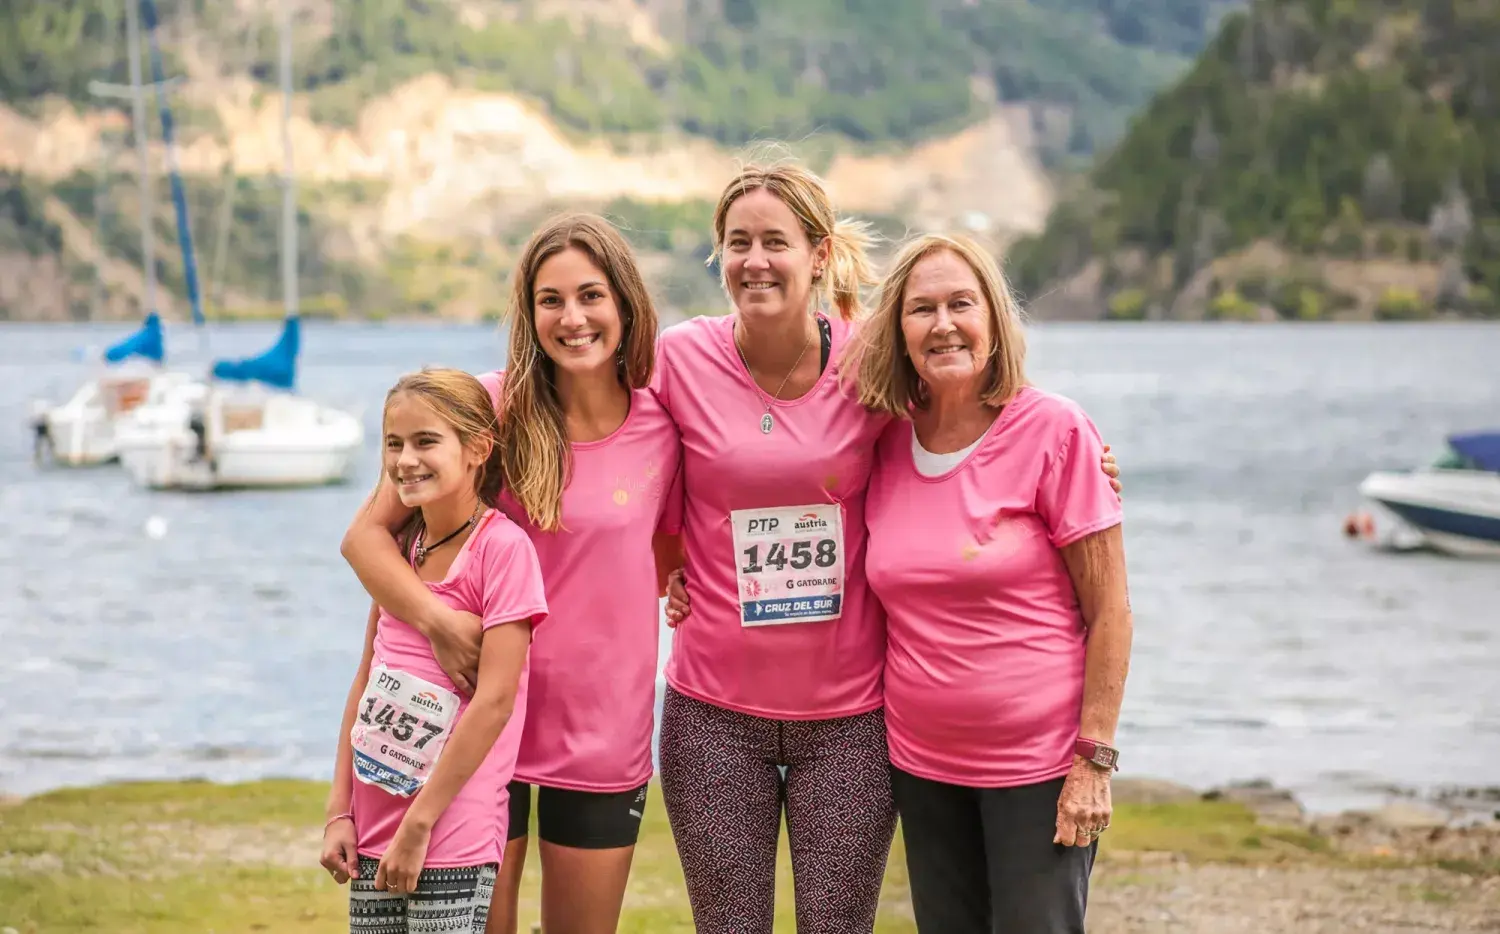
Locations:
column 732, row 70
column 1309, row 134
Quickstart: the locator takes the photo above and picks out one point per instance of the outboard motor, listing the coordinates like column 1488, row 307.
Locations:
column 41, row 437
column 198, row 425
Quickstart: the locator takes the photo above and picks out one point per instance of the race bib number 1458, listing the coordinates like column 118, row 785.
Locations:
column 789, row 563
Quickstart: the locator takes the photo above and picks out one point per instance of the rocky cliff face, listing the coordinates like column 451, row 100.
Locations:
column 434, row 161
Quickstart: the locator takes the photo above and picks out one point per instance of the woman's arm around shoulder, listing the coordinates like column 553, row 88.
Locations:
column 370, row 548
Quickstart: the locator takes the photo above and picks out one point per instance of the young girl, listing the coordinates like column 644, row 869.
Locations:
column 413, row 816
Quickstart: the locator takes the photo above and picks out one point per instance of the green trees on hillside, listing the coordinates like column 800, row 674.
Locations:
column 735, row 70
column 1306, row 121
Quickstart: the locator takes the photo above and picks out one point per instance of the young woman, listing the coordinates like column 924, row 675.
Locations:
column 412, row 816
column 589, row 458
column 774, row 685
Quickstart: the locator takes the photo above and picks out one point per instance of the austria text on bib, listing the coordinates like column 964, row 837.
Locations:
column 402, row 726
column 789, row 563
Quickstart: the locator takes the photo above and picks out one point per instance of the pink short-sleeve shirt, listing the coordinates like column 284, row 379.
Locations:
column 985, row 655
column 593, row 666
column 496, row 577
column 818, row 455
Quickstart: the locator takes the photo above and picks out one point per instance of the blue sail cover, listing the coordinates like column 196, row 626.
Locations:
column 1483, row 448
column 276, row 367
column 147, row 343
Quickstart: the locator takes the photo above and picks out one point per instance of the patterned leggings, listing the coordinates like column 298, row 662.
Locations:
column 447, row 901
column 722, row 780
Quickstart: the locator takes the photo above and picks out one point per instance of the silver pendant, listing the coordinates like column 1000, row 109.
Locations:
column 765, row 424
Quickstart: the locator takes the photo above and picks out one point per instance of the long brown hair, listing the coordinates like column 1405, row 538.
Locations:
column 534, row 451
column 804, row 193
column 464, row 404
column 885, row 378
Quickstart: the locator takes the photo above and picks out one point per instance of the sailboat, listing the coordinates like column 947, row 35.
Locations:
column 82, row 430
column 245, row 426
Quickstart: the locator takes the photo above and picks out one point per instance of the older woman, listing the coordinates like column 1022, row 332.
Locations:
column 995, row 548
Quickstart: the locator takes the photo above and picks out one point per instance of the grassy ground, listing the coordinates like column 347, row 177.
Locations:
column 179, row 857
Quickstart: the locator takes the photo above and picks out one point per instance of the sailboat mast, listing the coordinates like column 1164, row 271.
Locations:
column 138, row 111
column 288, row 189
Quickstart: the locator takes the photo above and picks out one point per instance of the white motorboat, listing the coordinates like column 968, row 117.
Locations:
column 241, row 429
column 1454, row 504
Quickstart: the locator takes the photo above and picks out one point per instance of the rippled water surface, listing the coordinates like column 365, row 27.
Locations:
column 1266, row 645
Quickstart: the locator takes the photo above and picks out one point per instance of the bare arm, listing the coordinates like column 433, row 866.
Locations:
column 342, row 792
column 340, row 854
column 500, row 662
column 1096, row 564
column 369, row 546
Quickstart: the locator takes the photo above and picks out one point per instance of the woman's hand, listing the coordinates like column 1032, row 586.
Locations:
column 1107, row 464
column 678, row 607
column 455, row 644
column 1083, row 808
column 403, row 859
column 340, row 857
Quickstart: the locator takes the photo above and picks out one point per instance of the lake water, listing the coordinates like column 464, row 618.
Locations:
column 1266, row 646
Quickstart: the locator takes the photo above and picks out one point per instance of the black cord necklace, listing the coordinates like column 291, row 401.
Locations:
column 422, row 550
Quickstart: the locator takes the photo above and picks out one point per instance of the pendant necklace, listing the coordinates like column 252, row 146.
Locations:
column 422, row 551
column 766, row 422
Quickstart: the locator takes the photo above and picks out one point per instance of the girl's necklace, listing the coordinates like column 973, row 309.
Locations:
column 423, row 550
column 766, row 422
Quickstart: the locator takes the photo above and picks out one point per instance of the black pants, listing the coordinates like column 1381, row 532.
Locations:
column 982, row 860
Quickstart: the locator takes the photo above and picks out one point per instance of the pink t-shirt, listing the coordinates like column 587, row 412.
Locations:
column 815, row 461
column 593, row 666
column 494, row 576
column 984, row 667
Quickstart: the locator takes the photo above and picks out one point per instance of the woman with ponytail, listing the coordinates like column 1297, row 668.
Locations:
column 774, row 695
column 589, row 460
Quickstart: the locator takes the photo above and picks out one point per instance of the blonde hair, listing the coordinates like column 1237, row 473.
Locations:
column 804, row 193
column 464, row 404
column 535, row 454
column 886, row 380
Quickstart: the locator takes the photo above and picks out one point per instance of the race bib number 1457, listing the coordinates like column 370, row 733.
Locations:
column 789, row 563
column 403, row 723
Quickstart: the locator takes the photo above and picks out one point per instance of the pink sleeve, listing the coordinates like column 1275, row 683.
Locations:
column 670, row 522
column 659, row 376
column 491, row 381
column 1073, row 496
column 512, row 582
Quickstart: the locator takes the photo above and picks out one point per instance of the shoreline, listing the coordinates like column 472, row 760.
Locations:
column 175, row 857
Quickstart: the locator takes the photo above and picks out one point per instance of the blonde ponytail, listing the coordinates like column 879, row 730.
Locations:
column 849, row 266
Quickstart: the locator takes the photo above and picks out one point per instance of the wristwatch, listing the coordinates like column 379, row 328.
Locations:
column 1097, row 753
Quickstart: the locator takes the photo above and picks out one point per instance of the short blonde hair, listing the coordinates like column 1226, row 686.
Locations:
column 804, row 193
column 886, row 380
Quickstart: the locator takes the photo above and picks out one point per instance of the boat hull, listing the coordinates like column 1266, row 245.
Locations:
column 1456, row 511
column 291, row 442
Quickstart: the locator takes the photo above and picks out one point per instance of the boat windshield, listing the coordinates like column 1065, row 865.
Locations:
column 1450, row 459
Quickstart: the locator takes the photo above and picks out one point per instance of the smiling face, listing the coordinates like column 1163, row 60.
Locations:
column 424, row 457
column 578, row 322
column 769, row 263
column 945, row 322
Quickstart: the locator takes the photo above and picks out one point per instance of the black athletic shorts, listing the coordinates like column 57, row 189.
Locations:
column 586, row 820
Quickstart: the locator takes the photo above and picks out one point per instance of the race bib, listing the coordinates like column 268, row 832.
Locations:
column 402, row 726
column 789, row 562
